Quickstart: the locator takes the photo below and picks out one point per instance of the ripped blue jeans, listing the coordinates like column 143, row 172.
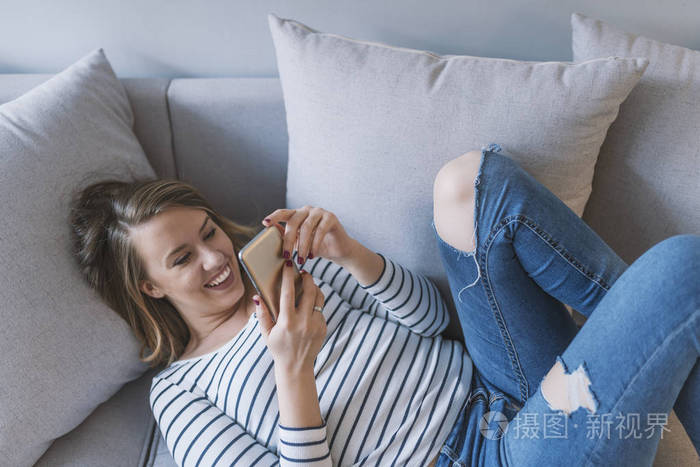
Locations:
column 612, row 383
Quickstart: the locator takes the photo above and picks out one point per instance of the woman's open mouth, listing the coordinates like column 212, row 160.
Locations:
column 224, row 280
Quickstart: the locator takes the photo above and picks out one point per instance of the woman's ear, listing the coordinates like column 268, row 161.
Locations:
column 150, row 289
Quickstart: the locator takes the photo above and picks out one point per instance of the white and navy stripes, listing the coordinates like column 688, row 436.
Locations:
column 390, row 386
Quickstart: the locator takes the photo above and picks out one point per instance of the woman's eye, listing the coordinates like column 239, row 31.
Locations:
column 185, row 258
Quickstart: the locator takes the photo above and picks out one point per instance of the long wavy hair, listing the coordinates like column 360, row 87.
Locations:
column 101, row 216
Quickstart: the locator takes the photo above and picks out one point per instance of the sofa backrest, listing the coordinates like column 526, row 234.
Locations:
column 230, row 141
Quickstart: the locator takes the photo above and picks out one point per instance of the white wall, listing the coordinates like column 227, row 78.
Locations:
column 216, row 38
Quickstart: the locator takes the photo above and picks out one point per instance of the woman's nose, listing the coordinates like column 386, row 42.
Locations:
column 213, row 259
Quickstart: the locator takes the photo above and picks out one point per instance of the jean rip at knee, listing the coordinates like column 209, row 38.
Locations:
column 567, row 391
column 477, row 196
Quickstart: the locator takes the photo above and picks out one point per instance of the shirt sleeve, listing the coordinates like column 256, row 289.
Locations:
column 398, row 294
column 199, row 433
column 304, row 446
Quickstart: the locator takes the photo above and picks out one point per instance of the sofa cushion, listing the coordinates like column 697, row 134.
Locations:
column 646, row 184
column 119, row 431
column 64, row 351
column 147, row 97
column 371, row 124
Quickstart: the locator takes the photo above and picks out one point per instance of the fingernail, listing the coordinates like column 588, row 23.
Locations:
column 311, row 255
column 300, row 260
column 286, row 254
column 289, row 262
column 266, row 220
column 257, row 302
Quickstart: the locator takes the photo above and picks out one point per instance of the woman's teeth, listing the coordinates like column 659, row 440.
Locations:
column 222, row 277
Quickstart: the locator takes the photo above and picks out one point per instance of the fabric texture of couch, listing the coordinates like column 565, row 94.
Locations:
column 654, row 142
column 75, row 126
column 229, row 137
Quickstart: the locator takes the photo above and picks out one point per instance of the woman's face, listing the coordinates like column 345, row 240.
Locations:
column 184, row 251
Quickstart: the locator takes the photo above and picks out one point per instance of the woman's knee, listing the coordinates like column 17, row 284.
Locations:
column 673, row 262
column 455, row 179
column 684, row 243
column 453, row 200
column 679, row 251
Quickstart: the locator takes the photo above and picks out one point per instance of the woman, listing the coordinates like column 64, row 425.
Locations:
column 363, row 351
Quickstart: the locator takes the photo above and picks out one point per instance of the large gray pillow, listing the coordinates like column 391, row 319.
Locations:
column 647, row 181
column 64, row 352
column 370, row 125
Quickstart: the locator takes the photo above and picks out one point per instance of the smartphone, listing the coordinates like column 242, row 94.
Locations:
column 262, row 260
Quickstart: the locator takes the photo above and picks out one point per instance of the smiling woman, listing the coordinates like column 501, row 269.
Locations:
column 312, row 387
column 135, row 243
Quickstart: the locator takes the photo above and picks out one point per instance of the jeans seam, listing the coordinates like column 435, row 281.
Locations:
column 561, row 251
column 494, row 397
column 453, row 456
column 498, row 315
column 473, row 397
column 505, row 334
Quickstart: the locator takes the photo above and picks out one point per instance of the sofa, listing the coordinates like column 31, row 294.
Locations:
column 230, row 138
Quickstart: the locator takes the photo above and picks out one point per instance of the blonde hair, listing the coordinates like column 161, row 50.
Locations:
column 101, row 216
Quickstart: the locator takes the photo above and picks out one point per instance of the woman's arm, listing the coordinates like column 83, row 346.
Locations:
column 298, row 398
column 365, row 265
column 198, row 433
column 378, row 285
column 302, row 430
column 294, row 341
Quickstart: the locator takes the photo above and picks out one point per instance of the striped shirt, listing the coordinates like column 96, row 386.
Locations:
column 390, row 387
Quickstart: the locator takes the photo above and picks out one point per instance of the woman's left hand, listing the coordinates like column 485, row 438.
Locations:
column 313, row 231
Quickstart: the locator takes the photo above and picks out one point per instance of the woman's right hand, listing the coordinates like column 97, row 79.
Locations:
column 296, row 338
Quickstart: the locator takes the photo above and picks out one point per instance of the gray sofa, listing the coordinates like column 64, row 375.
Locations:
column 228, row 137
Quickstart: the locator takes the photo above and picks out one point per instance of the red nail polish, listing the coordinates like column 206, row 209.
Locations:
column 288, row 262
column 267, row 221
column 257, row 302
column 286, row 254
column 300, row 260
column 311, row 255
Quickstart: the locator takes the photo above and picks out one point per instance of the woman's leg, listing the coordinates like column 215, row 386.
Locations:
column 532, row 253
column 607, row 398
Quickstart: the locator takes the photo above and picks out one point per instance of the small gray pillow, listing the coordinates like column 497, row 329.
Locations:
column 64, row 352
column 370, row 125
column 647, row 181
